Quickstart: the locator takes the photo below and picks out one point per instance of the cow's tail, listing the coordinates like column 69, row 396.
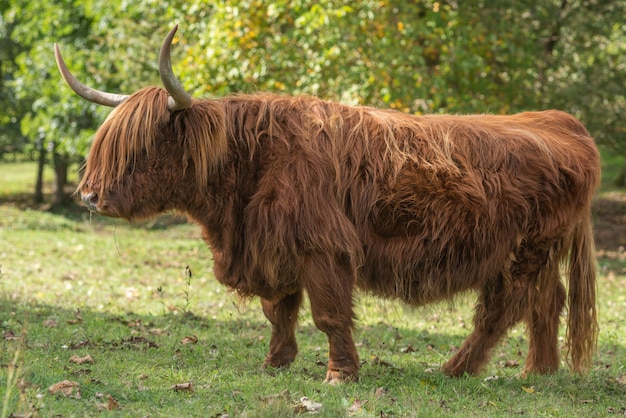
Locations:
column 582, row 324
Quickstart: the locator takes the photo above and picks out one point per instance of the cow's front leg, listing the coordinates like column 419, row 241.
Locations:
column 283, row 315
column 329, row 286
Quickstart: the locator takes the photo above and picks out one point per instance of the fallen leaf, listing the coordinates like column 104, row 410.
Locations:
column 189, row 340
column 66, row 388
column 138, row 343
column 621, row 379
column 79, row 344
column 380, row 392
column 134, row 323
column 112, row 404
column 182, row 386
column 81, row 360
column 50, row 323
column 77, row 318
column 9, row 335
column 511, row 363
column 408, row 349
column 357, row 405
column 528, row 390
column 378, row 361
column 307, row 405
column 284, row 395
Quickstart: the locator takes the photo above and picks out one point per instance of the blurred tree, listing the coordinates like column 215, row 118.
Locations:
column 419, row 56
column 11, row 138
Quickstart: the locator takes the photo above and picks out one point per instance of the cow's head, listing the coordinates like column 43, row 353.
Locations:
column 154, row 147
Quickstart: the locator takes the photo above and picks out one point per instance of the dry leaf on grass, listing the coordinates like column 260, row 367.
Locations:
column 284, row 395
column 80, row 344
column 408, row 349
column 182, row 386
column 9, row 335
column 621, row 379
column 77, row 318
column 190, row 339
column 377, row 361
column 357, row 405
column 511, row 363
column 66, row 388
column 50, row 323
column 81, row 360
column 110, row 405
column 307, row 405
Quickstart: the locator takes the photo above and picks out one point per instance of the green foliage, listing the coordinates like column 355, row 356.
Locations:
column 416, row 56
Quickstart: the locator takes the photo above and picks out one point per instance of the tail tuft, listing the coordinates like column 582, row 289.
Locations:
column 582, row 323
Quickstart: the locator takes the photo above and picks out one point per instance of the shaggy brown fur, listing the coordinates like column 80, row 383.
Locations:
column 297, row 194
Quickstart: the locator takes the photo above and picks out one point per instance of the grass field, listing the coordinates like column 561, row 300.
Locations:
column 100, row 317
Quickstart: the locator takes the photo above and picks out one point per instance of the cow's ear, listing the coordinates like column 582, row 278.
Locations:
column 203, row 135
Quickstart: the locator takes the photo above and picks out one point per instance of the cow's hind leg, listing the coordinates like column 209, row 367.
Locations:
column 501, row 306
column 329, row 287
column 530, row 289
column 283, row 315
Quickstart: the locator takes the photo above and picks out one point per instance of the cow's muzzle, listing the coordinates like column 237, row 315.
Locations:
column 91, row 201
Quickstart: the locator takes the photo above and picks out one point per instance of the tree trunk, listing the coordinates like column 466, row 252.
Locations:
column 61, row 164
column 41, row 162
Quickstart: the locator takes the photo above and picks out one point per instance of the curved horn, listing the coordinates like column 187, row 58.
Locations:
column 179, row 98
column 87, row 93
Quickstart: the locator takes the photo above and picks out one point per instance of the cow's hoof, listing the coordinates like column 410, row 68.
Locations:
column 280, row 360
column 336, row 377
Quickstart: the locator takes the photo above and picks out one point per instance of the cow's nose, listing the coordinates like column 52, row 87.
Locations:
column 91, row 200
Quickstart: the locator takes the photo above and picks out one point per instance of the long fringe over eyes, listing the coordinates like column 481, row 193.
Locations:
column 133, row 127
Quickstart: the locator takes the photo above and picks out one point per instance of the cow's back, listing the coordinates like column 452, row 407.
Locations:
column 474, row 188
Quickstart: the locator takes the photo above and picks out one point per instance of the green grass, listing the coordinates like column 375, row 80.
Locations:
column 75, row 285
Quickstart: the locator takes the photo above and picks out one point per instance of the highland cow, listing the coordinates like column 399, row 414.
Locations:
column 298, row 194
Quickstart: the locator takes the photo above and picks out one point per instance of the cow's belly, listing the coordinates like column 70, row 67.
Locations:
column 419, row 272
